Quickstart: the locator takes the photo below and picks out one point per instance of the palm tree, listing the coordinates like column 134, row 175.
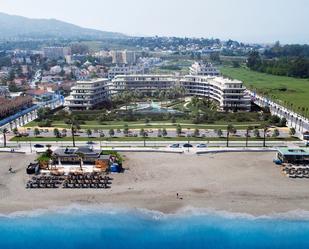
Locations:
column 248, row 130
column 230, row 129
column 265, row 129
column 74, row 126
column 89, row 132
column 4, row 132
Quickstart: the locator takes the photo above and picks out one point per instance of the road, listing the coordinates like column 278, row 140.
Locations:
column 149, row 144
column 207, row 133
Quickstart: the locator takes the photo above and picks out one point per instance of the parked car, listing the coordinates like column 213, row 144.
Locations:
column 174, row 146
column 38, row 146
column 201, row 146
column 187, row 146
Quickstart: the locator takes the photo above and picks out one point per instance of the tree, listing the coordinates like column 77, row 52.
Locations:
column 276, row 133
column 142, row 132
column 89, row 132
column 230, row 129
column 126, row 130
column 64, row 132
column 111, row 132
column 248, row 130
column 219, row 132
column 159, row 132
column 256, row 133
column 36, row 132
column 15, row 131
column 74, row 127
column 57, row 133
column 283, row 122
column 265, row 130
column 292, row 131
column 4, row 132
column 196, row 133
column 164, row 132
column 43, row 113
column 178, row 130
column 254, row 61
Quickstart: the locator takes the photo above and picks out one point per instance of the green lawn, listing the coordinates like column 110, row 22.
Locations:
column 129, row 139
column 284, row 90
column 153, row 125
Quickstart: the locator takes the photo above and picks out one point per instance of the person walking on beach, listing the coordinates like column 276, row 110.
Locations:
column 177, row 196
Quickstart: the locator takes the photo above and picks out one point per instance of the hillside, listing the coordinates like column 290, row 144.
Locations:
column 21, row 27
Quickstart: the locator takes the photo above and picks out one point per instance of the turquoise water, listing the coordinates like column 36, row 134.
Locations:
column 133, row 229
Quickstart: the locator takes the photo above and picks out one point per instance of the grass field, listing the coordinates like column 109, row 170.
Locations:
column 283, row 90
column 155, row 125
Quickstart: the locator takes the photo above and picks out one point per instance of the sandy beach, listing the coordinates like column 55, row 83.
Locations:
column 234, row 182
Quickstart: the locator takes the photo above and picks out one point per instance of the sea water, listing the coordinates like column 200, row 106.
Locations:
column 111, row 228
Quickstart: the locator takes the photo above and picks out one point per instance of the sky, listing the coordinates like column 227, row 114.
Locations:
column 262, row 21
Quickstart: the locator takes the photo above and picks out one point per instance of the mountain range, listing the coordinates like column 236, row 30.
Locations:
column 14, row 27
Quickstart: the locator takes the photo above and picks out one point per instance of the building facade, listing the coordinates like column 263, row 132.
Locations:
column 230, row 94
column 87, row 94
column 123, row 57
column 56, row 52
column 143, row 83
column 125, row 70
column 204, row 69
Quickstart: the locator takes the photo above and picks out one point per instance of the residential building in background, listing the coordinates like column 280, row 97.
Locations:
column 204, row 69
column 125, row 70
column 117, row 57
column 123, row 57
column 129, row 57
column 87, row 94
column 143, row 83
column 56, row 52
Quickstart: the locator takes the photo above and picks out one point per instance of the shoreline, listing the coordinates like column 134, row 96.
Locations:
column 234, row 182
column 188, row 211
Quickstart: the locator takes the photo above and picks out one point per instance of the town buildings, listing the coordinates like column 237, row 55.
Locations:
column 56, row 52
column 123, row 57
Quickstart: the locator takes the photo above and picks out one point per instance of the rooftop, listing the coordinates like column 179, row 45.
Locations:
column 294, row 151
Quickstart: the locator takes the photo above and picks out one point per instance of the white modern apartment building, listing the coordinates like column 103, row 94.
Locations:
column 230, row 94
column 87, row 94
column 203, row 69
column 143, row 83
column 125, row 70
column 56, row 52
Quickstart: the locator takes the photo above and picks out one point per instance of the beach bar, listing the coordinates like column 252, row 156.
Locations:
column 294, row 156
